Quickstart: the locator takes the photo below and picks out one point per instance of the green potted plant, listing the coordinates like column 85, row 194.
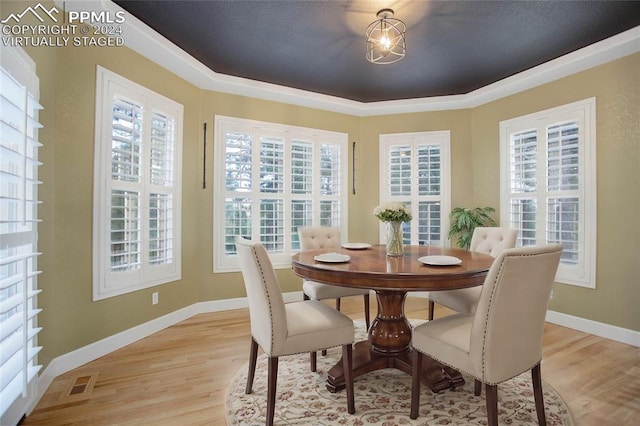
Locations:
column 465, row 220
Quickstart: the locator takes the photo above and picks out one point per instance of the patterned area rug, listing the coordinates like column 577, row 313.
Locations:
column 382, row 398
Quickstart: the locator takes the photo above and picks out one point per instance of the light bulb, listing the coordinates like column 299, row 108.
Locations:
column 385, row 43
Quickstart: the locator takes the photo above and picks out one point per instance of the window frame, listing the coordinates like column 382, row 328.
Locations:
column 583, row 112
column 223, row 262
column 107, row 283
column 415, row 139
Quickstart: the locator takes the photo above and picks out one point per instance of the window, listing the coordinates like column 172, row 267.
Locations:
column 272, row 179
column 415, row 171
column 18, row 232
column 548, row 184
column 137, row 187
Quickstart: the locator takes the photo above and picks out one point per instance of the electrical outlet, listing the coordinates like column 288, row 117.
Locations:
column 551, row 295
column 154, row 298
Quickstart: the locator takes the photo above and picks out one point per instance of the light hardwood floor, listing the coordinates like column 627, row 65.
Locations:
column 178, row 376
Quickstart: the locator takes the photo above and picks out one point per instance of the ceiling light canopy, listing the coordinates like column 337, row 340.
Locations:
column 385, row 38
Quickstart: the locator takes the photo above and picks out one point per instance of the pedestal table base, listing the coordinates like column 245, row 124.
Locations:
column 436, row 376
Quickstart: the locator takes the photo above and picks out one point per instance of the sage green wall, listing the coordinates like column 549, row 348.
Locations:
column 72, row 320
column 76, row 319
column 616, row 87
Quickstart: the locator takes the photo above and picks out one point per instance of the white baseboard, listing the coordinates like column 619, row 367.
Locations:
column 81, row 356
column 619, row 334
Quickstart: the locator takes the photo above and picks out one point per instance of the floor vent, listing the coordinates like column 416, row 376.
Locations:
column 81, row 387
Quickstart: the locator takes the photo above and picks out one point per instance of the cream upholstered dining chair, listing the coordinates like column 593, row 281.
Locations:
column 503, row 338
column 487, row 240
column 287, row 329
column 315, row 237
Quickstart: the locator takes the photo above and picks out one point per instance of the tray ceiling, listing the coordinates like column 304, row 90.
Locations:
column 453, row 47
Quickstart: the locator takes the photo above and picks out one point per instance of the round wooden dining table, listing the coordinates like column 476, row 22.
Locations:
column 389, row 336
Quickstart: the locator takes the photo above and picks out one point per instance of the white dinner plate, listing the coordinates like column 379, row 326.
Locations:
column 440, row 260
column 356, row 246
column 332, row 257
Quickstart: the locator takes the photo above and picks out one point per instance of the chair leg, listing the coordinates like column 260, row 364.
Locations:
column 347, row 366
column 477, row 387
column 367, row 316
column 536, row 378
column 313, row 358
column 272, row 377
column 324, row 351
column 415, row 384
column 432, row 306
column 492, row 404
column 253, row 357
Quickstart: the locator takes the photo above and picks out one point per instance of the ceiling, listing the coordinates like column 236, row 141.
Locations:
column 453, row 47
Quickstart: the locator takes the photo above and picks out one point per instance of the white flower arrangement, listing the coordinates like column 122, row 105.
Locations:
column 392, row 212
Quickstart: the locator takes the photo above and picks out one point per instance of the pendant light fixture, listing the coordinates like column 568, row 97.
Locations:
column 385, row 38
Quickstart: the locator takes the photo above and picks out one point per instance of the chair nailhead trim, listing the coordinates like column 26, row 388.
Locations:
column 484, row 339
column 263, row 281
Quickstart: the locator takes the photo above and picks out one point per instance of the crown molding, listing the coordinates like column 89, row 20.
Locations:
column 150, row 44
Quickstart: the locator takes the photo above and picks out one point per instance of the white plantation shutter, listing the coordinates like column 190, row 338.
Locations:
column 271, row 165
column 301, row 168
column 563, row 227
column 238, row 178
column 398, row 169
column 163, row 146
column 126, row 162
column 161, row 214
column 272, row 228
column 330, row 177
column 238, row 162
column 524, row 161
column 238, row 220
column 125, row 231
column 161, row 233
column 563, row 186
column 430, row 230
column 523, row 182
column 563, row 154
column 301, row 189
column 429, row 181
column 126, row 141
column 331, row 184
column 273, row 179
column 19, row 89
column 138, row 156
column 429, row 169
column 548, row 184
column 415, row 171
